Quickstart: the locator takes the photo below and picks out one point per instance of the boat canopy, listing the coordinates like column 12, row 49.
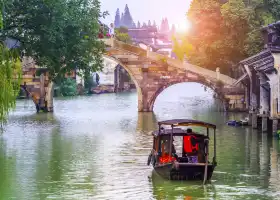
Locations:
column 176, row 132
column 186, row 122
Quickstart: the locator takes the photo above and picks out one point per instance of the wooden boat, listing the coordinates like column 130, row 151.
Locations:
column 233, row 123
column 191, row 163
column 243, row 122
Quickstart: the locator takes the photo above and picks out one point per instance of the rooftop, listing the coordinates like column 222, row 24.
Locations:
column 177, row 132
column 186, row 122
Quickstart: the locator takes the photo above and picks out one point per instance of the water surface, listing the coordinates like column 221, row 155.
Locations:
column 96, row 147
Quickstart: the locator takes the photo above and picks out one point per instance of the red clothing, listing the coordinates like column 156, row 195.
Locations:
column 100, row 35
column 166, row 159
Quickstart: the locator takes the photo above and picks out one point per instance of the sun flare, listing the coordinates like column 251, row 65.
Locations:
column 184, row 26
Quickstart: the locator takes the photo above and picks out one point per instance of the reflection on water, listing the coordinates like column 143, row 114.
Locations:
column 96, row 147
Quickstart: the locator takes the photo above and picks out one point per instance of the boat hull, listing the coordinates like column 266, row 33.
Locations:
column 184, row 171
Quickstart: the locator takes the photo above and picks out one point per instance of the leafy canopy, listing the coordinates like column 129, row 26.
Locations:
column 60, row 35
column 226, row 32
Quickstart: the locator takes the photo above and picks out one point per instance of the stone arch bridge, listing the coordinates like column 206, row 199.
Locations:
column 151, row 73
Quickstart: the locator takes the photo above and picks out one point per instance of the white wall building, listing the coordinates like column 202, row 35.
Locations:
column 107, row 75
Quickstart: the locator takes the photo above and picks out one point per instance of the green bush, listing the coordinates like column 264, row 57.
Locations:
column 68, row 87
column 122, row 35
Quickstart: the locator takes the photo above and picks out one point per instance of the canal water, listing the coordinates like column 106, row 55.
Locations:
column 96, row 147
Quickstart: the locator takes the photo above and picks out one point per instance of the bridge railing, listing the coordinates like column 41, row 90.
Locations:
column 131, row 48
column 127, row 47
column 186, row 66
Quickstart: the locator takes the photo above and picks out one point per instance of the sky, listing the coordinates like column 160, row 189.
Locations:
column 143, row 10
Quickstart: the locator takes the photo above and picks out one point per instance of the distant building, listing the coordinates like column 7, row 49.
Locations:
column 149, row 35
column 142, row 34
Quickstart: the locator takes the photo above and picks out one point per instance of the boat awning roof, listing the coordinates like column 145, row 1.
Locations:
column 177, row 132
column 186, row 122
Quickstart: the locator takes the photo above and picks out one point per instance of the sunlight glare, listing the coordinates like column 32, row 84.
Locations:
column 184, row 26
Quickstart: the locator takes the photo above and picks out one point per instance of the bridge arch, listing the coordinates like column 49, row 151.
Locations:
column 135, row 81
column 164, row 87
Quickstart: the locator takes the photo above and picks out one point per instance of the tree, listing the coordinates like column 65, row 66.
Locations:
column 144, row 25
column 260, row 14
column 272, row 7
column 123, row 29
column 222, row 34
column 117, row 19
column 181, row 47
column 236, row 28
column 59, row 35
column 149, row 23
column 122, row 20
column 122, row 35
column 127, row 19
column 231, row 33
column 10, row 68
column 138, row 25
column 208, row 35
column 68, row 87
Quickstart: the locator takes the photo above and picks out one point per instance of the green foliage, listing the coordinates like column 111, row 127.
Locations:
column 272, row 7
column 89, row 83
column 60, row 35
column 122, row 29
column 10, row 78
column 223, row 34
column 68, row 87
column 181, row 48
column 122, row 35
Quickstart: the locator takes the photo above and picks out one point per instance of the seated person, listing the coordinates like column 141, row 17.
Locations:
column 165, row 148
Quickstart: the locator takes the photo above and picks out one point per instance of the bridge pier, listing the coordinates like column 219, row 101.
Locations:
column 144, row 103
column 49, row 97
column 254, row 120
column 264, row 124
column 143, row 106
column 274, row 126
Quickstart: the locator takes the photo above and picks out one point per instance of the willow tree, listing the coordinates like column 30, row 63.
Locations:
column 60, row 35
column 10, row 74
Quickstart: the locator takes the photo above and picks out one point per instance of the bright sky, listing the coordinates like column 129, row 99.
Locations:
column 143, row 10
